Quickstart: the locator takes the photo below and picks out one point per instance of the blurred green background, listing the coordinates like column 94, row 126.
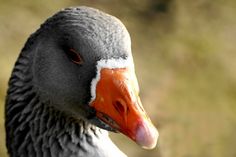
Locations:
column 185, row 57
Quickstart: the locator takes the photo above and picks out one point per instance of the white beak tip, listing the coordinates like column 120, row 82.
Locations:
column 147, row 135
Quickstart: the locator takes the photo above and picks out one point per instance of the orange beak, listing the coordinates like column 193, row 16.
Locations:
column 117, row 104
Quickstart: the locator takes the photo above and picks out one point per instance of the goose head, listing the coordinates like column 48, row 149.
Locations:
column 83, row 66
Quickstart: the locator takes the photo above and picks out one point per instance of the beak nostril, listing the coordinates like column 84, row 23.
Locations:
column 121, row 108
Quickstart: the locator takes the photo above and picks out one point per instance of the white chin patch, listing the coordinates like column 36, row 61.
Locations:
column 110, row 64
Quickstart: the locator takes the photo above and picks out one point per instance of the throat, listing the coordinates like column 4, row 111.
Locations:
column 41, row 131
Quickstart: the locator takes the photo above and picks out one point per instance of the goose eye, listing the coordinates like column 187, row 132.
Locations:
column 74, row 56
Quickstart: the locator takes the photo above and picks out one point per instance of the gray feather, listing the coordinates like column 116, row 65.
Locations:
column 35, row 127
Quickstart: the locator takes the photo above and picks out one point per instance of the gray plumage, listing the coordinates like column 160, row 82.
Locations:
column 47, row 112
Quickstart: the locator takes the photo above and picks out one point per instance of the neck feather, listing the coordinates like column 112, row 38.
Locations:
column 35, row 129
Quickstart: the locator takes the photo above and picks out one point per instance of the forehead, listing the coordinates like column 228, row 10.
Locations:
column 94, row 29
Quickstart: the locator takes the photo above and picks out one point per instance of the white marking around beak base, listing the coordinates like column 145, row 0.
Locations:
column 110, row 64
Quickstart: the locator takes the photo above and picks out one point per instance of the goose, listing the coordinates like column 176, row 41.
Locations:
column 73, row 82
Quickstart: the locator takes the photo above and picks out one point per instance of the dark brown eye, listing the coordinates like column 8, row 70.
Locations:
column 74, row 56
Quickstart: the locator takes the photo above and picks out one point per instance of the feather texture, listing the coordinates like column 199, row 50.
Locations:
column 35, row 127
